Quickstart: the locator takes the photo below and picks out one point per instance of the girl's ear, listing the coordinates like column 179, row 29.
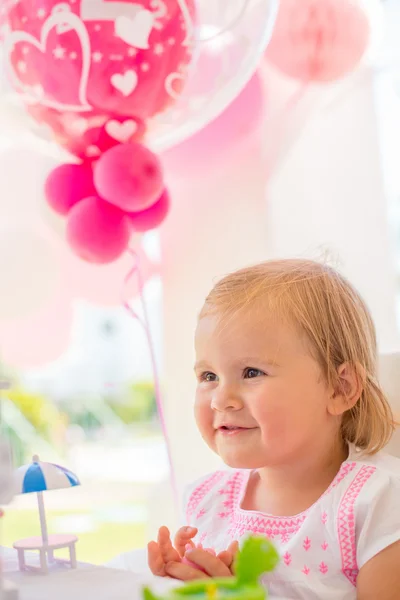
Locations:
column 347, row 391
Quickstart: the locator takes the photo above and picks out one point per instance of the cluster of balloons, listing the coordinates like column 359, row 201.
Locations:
column 94, row 72
column 123, row 192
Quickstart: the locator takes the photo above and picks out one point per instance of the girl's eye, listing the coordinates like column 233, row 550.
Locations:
column 251, row 373
column 208, row 377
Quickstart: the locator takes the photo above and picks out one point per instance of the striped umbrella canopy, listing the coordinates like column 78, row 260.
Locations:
column 42, row 476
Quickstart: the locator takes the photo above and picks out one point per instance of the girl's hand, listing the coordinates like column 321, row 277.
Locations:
column 203, row 564
column 183, row 539
column 162, row 552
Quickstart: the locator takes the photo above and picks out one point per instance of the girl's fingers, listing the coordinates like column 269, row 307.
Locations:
column 184, row 572
column 212, row 565
column 183, row 539
column 226, row 557
column 168, row 552
column 234, row 548
column 155, row 559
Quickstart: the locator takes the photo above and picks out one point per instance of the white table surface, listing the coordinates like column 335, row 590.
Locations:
column 88, row 582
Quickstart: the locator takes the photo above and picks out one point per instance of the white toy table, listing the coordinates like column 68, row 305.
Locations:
column 46, row 551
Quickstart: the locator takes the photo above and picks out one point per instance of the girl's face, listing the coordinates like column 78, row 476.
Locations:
column 261, row 398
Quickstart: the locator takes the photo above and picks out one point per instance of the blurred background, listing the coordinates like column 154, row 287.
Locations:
column 315, row 177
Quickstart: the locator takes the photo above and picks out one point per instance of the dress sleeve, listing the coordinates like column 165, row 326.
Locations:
column 199, row 493
column 378, row 517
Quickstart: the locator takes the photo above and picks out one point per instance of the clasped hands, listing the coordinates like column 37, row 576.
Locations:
column 186, row 561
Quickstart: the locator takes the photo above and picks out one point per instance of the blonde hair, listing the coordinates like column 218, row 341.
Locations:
column 337, row 324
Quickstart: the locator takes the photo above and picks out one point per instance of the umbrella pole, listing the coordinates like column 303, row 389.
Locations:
column 42, row 516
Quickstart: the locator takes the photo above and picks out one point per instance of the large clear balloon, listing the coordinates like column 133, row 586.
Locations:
column 96, row 73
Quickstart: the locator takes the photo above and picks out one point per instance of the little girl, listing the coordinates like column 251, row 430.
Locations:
column 288, row 397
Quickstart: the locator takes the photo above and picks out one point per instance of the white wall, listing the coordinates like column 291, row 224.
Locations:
column 329, row 195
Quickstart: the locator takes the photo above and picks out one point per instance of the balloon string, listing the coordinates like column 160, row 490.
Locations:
column 145, row 323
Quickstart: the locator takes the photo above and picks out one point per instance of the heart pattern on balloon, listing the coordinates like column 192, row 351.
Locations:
column 135, row 31
column 62, row 8
column 125, row 82
column 97, row 72
column 42, row 45
column 122, row 132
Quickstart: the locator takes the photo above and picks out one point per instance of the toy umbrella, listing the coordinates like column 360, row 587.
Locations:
column 38, row 477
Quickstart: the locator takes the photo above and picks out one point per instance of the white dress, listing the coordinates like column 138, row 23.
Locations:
column 323, row 548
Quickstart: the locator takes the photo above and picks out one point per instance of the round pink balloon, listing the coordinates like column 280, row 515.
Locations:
column 318, row 40
column 129, row 176
column 97, row 231
column 153, row 216
column 68, row 184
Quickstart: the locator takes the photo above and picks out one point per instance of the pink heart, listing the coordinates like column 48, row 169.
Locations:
column 122, row 132
column 125, row 82
column 135, row 31
column 56, row 20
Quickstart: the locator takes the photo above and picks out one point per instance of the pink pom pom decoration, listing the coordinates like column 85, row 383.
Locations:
column 152, row 217
column 97, row 231
column 318, row 40
column 68, row 184
column 129, row 176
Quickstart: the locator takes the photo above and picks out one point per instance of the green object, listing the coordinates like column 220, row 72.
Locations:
column 257, row 556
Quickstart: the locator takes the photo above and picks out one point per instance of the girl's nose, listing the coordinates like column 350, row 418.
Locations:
column 226, row 398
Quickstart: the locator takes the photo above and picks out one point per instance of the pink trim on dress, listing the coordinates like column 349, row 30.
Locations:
column 347, row 526
column 244, row 521
column 201, row 492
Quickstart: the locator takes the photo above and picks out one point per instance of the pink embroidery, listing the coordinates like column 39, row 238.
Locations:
column 324, row 518
column 269, row 526
column 307, row 544
column 201, row 513
column 235, row 485
column 346, row 524
column 324, row 546
column 306, row 570
column 287, row 558
column 224, row 515
column 323, row 568
column 259, row 523
column 285, row 537
column 201, row 491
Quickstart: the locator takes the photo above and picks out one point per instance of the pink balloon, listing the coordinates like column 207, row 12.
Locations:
column 220, row 139
column 97, row 231
column 129, row 176
column 95, row 70
column 153, row 216
column 68, row 184
column 318, row 40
